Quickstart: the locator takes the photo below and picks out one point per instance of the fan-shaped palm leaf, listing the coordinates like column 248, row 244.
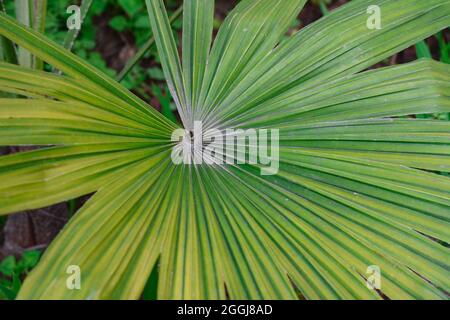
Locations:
column 355, row 187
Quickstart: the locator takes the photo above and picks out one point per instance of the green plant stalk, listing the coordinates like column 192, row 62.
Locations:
column 39, row 19
column 423, row 51
column 31, row 13
column 24, row 15
column 444, row 48
column 72, row 207
column 147, row 46
column 324, row 8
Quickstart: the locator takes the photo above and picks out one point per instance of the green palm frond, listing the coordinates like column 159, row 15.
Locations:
column 358, row 183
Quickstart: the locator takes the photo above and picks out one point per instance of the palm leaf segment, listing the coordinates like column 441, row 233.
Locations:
column 355, row 186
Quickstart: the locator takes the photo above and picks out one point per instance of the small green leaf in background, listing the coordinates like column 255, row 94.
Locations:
column 140, row 26
column 98, row 7
column 178, row 24
column 323, row 5
column 29, row 260
column 118, row 23
column 16, row 283
column 2, row 221
column 131, row 7
column 6, row 293
column 156, row 74
column 11, row 271
column 166, row 102
column 9, row 289
column 142, row 22
column 135, row 79
column 97, row 60
column 8, row 266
